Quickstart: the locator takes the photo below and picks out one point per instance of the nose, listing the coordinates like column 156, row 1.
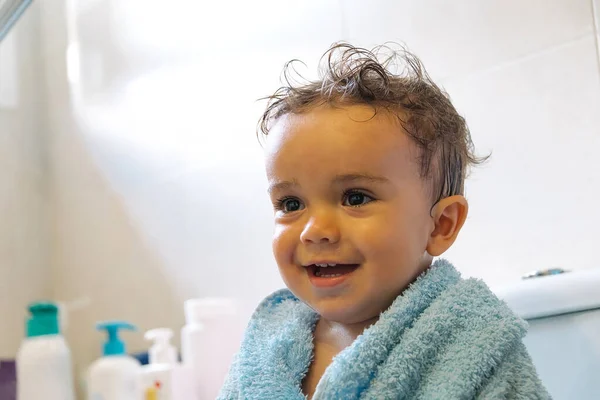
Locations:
column 320, row 229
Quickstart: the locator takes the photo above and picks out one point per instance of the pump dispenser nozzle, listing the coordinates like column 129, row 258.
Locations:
column 162, row 351
column 114, row 346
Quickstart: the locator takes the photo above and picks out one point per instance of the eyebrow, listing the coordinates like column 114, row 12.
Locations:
column 348, row 178
column 283, row 185
column 339, row 179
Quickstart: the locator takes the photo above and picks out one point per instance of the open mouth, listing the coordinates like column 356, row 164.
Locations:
column 331, row 270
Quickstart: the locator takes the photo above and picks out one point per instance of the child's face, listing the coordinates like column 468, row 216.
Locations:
column 347, row 190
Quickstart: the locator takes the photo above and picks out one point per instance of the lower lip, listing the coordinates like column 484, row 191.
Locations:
column 325, row 282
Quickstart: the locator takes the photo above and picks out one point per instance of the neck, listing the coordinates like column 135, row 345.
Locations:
column 341, row 335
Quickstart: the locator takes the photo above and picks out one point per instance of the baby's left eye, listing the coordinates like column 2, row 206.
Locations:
column 356, row 199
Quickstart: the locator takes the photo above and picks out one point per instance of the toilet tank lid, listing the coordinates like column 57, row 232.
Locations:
column 547, row 296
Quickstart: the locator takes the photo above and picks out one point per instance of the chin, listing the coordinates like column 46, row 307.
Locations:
column 346, row 312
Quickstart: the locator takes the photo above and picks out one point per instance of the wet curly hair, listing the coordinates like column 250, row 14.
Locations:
column 350, row 75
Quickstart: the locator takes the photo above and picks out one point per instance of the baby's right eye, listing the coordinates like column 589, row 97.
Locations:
column 289, row 204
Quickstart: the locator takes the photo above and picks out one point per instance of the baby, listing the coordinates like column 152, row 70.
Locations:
column 366, row 171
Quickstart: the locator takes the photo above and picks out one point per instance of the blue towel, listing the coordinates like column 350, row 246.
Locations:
column 443, row 338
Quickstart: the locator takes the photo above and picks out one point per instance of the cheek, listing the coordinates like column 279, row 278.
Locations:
column 283, row 244
column 391, row 236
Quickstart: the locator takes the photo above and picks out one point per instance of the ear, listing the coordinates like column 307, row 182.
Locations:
column 449, row 216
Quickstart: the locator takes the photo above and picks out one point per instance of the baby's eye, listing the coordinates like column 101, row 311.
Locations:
column 289, row 204
column 356, row 199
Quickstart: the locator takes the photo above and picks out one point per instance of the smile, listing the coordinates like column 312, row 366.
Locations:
column 324, row 275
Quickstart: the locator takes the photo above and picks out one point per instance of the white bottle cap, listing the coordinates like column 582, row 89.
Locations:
column 200, row 310
column 162, row 351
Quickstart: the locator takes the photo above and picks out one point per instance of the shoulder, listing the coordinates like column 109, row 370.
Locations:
column 277, row 298
column 279, row 308
column 469, row 305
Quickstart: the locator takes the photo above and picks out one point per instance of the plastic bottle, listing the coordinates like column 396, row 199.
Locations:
column 161, row 351
column 44, row 370
column 209, row 341
column 115, row 376
column 165, row 378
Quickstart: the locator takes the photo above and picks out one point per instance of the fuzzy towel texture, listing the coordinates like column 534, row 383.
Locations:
column 443, row 338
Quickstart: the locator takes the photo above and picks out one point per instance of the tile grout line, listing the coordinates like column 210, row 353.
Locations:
column 595, row 15
column 344, row 22
column 522, row 58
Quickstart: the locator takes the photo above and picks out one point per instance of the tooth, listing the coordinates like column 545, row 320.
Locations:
column 332, row 265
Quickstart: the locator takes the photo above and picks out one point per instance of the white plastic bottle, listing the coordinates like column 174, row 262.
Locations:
column 164, row 377
column 115, row 376
column 209, row 341
column 44, row 370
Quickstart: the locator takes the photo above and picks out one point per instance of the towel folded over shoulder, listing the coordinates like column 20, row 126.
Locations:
column 443, row 338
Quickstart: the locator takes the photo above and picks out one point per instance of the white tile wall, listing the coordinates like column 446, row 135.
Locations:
column 23, row 115
column 459, row 37
column 247, row 34
column 530, row 205
column 596, row 7
column 24, row 195
column 101, row 254
column 24, row 255
column 9, row 74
